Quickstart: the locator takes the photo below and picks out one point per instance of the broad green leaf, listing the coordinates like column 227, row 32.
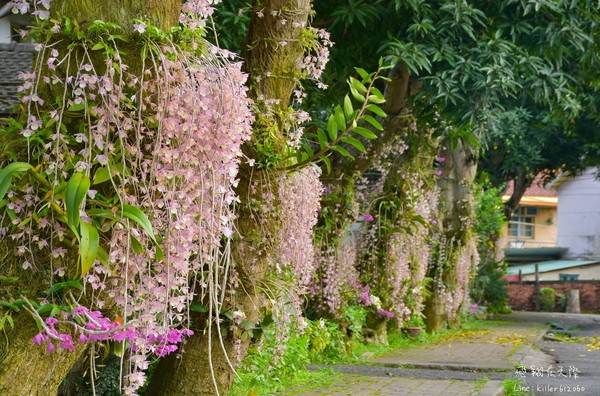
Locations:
column 136, row 245
column 339, row 118
column 136, row 215
column 376, row 109
column 118, row 348
column 364, row 132
column 356, row 143
column 77, row 187
column 332, row 127
column 6, row 175
column 322, row 138
column 373, row 122
column 327, row 163
column 101, row 176
column 88, row 246
column 342, row 151
column 348, row 109
column 102, row 256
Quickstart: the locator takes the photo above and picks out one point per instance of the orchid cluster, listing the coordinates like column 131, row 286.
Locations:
column 165, row 142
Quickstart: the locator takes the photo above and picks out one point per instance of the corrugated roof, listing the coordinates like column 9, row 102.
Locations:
column 548, row 266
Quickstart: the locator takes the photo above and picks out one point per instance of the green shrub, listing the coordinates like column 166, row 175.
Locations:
column 547, row 299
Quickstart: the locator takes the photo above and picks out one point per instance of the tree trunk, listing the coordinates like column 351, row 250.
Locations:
column 163, row 13
column 454, row 243
column 28, row 370
column 273, row 53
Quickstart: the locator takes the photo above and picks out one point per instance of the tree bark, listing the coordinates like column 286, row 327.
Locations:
column 454, row 237
column 28, row 370
column 163, row 13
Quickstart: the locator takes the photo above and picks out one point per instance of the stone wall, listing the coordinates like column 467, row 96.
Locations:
column 522, row 294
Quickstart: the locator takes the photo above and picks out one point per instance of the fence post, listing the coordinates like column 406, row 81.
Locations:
column 537, row 288
column 573, row 301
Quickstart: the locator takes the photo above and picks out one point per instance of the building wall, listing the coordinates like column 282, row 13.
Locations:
column 579, row 215
column 586, row 272
column 545, row 231
column 522, row 295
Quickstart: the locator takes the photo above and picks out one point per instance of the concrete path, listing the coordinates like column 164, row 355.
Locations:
column 473, row 363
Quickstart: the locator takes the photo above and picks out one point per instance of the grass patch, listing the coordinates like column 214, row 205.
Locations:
column 514, row 387
column 304, row 380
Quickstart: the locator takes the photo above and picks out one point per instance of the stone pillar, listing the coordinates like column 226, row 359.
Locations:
column 573, row 301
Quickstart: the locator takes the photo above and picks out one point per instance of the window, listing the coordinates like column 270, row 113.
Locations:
column 568, row 277
column 522, row 223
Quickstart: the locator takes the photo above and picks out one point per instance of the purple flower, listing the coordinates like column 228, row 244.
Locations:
column 441, row 159
column 66, row 342
column 139, row 27
column 50, row 347
column 39, row 338
column 438, row 172
column 385, row 313
column 51, row 321
column 80, row 310
column 367, row 217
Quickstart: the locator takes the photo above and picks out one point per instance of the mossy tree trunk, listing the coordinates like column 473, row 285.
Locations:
column 27, row 369
column 454, row 237
column 272, row 56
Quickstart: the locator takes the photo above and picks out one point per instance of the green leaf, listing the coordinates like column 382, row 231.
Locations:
column 339, row 118
column 10, row 321
column 6, row 175
column 356, row 143
column 76, row 107
column 98, row 46
column 322, row 139
column 45, row 308
column 342, row 151
column 348, row 109
column 327, row 163
column 198, row 307
column 360, row 87
column 363, row 74
column 136, row 245
column 73, row 283
column 101, row 176
column 135, row 214
column 356, row 95
column 375, row 99
column 373, row 122
column 88, row 246
column 102, row 256
column 376, row 109
column 77, row 187
column 364, row 132
column 332, row 128
column 308, row 149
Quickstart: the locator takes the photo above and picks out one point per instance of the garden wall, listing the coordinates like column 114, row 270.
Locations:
column 522, row 294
